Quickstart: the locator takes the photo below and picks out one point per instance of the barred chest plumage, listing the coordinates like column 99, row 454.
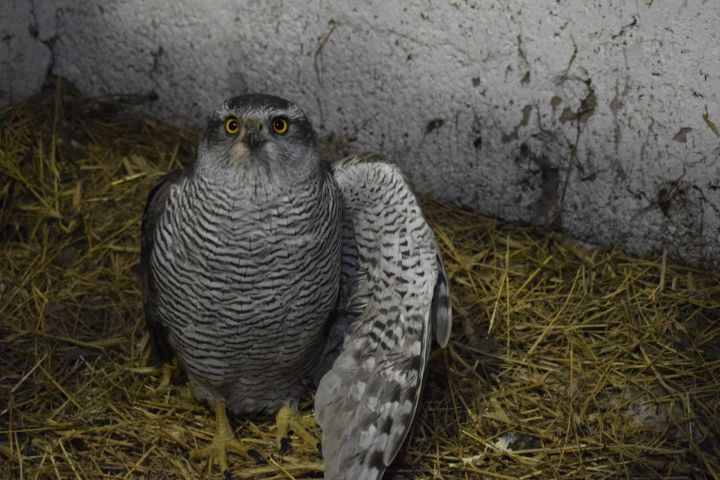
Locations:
column 240, row 265
column 248, row 281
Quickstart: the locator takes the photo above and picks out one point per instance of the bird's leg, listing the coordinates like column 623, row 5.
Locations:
column 288, row 419
column 167, row 373
column 223, row 440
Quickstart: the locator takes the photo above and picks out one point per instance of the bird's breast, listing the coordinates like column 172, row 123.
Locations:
column 252, row 283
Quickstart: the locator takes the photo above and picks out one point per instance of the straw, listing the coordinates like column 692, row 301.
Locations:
column 565, row 361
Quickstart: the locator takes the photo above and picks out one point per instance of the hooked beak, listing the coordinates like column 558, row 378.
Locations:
column 253, row 137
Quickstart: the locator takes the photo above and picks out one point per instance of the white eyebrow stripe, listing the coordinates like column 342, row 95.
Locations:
column 293, row 112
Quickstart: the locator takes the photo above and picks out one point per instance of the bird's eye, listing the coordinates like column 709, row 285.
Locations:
column 280, row 125
column 232, row 126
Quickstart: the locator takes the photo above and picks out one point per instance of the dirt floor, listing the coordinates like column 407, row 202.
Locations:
column 565, row 362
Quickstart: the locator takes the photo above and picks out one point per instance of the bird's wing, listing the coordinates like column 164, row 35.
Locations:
column 157, row 201
column 394, row 295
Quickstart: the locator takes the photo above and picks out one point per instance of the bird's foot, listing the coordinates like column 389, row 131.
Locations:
column 223, row 442
column 217, row 451
column 288, row 419
column 168, row 369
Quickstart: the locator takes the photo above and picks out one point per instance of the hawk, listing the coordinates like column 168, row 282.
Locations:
column 264, row 266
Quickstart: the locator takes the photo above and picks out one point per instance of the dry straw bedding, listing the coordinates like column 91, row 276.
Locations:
column 565, row 362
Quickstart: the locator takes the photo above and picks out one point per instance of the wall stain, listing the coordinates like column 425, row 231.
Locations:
column 433, row 125
column 550, row 183
column 711, row 125
column 586, row 109
column 616, row 104
column 509, row 137
column 682, row 204
column 542, row 181
column 681, row 135
column 676, row 200
column 624, row 29
column 521, row 53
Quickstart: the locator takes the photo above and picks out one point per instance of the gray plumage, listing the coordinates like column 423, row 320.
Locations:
column 394, row 295
column 262, row 265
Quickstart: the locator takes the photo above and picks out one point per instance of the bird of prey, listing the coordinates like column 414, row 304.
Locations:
column 264, row 266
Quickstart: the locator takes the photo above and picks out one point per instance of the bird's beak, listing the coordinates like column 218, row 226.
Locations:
column 253, row 137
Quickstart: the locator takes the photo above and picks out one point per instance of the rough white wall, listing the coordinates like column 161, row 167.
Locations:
column 599, row 117
column 27, row 33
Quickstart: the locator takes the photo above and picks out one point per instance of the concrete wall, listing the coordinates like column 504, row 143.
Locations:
column 600, row 118
column 27, row 34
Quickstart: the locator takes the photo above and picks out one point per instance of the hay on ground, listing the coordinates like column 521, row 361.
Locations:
column 565, row 362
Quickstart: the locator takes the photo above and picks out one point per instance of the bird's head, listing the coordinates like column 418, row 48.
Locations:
column 262, row 133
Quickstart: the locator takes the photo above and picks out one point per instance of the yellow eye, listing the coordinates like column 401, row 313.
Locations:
column 280, row 125
column 232, row 126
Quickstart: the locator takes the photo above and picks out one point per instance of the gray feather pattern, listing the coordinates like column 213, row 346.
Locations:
column 246, row 254
column 241, row 261
column 391, row 273
column 441, row 307
column 161, row 350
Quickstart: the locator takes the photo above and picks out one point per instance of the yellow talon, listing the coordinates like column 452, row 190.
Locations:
column 223, row 441
column 167, row 373
column 288, row 419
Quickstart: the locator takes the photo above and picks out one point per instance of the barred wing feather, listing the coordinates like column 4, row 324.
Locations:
column 393, row 299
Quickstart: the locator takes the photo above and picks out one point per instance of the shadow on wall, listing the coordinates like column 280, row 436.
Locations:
column 27, row 33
